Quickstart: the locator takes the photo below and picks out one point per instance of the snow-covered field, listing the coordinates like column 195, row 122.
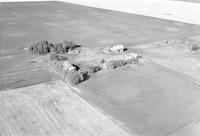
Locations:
column 187, row 12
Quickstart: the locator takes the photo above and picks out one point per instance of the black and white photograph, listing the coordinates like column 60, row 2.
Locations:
column 99, row 67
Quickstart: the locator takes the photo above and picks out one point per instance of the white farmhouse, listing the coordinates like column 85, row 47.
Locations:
column 119, row 48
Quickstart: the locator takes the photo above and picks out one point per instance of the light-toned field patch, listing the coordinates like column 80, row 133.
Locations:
column 175, row 57
column 52, row 109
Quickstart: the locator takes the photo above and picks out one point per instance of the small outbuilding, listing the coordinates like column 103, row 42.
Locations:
column 68, row 67
column 119, row 48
